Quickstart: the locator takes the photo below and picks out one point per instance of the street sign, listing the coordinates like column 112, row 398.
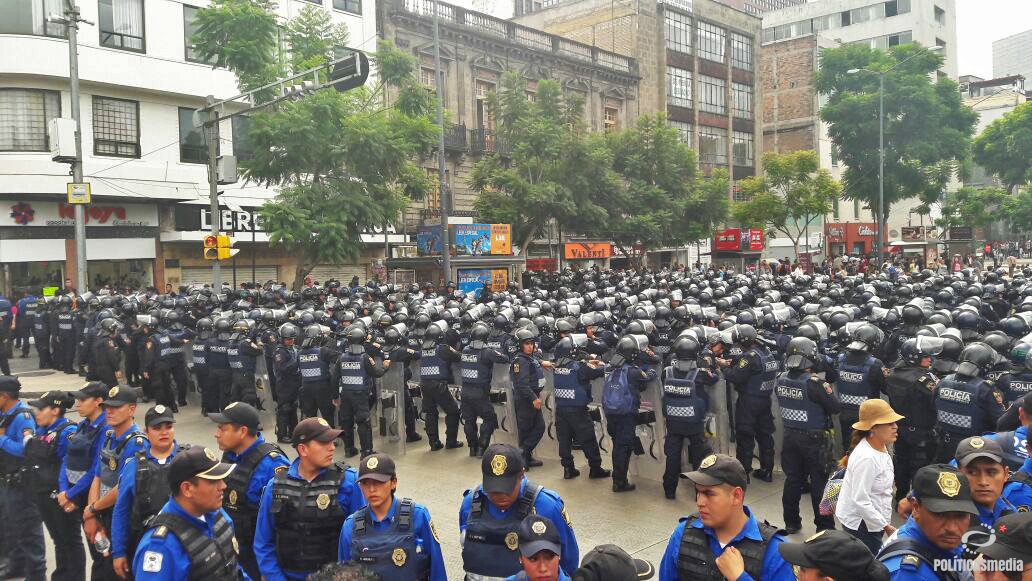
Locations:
column 79, row 193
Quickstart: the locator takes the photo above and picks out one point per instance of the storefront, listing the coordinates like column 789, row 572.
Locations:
column 850, row 238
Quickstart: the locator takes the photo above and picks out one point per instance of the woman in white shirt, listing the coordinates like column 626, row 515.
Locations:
column 865, row 502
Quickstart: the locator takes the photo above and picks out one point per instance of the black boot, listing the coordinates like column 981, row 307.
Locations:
column 532, row 462
column 413, row 437
column 350, row 451
column 764, row 475
column 569, row 473
column 454, row 445
column 474, row 452
column 435, row 446
column 623, row 486
column 599, row 472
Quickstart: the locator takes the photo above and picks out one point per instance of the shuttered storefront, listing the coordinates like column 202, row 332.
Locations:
column 194, row 275
column 342, row 272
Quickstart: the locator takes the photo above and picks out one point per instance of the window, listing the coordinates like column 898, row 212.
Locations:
column 679, row 87
column 193, row 143
column 30, row 17
column 243, row 149
column 741, row 100
column 741, row 51
column 711, row 42
column 712, row 145
column 116, row 127
column 742, row 148
column 846, row 19
column 484, row 118
column 532, row 96
column 354, row 6
column 427, row 77
column 940, row 16
column 898, row 39
column 121, row 24
column 25, row 116
column 611, row 120
column 684, row 131
column 678, row 32
column 736, row 193
column 940, row 42
column 834, row 156
column 711, row 94
column 189, row 28
column 768, row 35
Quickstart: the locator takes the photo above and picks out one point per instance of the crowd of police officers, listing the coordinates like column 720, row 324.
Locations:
column 949, row 352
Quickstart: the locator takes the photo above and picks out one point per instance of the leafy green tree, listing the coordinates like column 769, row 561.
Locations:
column 1017, row 211
column 1004, row 148
column 240, row 35
column 312, row 38
column 976, row 207
column 927, row 128
column 791, row 195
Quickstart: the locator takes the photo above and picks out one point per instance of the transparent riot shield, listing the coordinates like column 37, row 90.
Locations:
column 648, row 460
column 549, row 446
column 503, row 398
column 718, row 418
column 391, row 409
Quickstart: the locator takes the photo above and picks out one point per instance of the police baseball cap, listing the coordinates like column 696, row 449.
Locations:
column 239, row 413
column 942, row 488
column 836, row 554
column 378, row 467
column 1013, row 538
column 57, row 399
column 975, row 447
column 119, row 396
column 502, row 468
column 157, row 415
column 92, row 389
column 718, row 469
column 196, row 462
column 316, row 429
column 536, row 534
column 9, row 384
column 611, row 563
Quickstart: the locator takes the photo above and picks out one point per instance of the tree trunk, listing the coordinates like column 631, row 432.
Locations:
column 300, row 272
column 526, row 242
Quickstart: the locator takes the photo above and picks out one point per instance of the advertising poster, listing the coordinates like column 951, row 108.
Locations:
column 472, row 239
column 755, row 239
column 501, row 239
column 428, row 241
column 728, row 240
column 472, row 280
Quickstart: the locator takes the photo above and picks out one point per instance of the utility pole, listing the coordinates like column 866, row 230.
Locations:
column 442, row 188
column 71, row 14
column 213, row 188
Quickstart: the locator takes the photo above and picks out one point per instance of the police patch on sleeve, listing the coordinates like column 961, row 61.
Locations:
column 152, row 561
column 566, row 516
column 743, row 362
column 911, row 562
column 433, row 531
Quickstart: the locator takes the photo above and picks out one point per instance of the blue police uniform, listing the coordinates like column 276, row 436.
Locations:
column 911, row 567
column 686, row 402
column 573, row 423
column 767, row 565
column 483, row 552
column 860, row 377
column 399, row 547
column 1015, row 385
column 522, row 576
column 114, row 452
column 1014, row 445
column 754, row 375
column 528, row 379
column 121, row 520
column 80, row 461
column 349, row 498
column 966, row 406
column 161, row 556
column 621, row 427
column 477, row 373
column 1018, row 490
column 44, row 455
column 23, row 537
column 254, row 468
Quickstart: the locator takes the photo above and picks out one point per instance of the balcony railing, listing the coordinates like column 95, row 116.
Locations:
column 455, row 136
column 486, row 141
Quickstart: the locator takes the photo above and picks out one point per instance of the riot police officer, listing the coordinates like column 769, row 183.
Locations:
column 65, row 335
column 156, row 361
column 41, row 336
column 25, row 321
column 573, row 424
column 1017, row 383
column 201, row 368
column 240, row 438
column 477, row 371
column 967, row 405
column 435, row 360
column 807, row 405
column 221, row 374
column 861, row 376
column 243, row 353
column 192, row 537
column 754, row 375
column 179, row 335
column 354, row 374
column 528, row 379
column 288, row 381
column 686, row 403
column 626, row 379
column 303, row 508
column 911, row 390
column 315, row 358
column 22, row 549
column 107, row 356
column 395, row 537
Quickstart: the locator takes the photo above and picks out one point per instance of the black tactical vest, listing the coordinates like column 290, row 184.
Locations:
column 210, row 558
column 308, row 519
column 152, row 492
column 695, row 560
column 236, row 504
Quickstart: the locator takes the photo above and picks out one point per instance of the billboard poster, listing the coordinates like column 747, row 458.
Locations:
column 472, row 280
column 728, row 240
column 472, row 239
column 428, row 240
column 501, row 239
column 756, row 239
column 587, row 250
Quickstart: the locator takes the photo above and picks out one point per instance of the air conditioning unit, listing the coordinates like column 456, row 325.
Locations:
column 62, row 140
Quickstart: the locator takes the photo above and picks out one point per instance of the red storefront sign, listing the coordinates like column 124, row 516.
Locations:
column 550, row 264
column 851, row 235
column 755, row 239
column 728, row 240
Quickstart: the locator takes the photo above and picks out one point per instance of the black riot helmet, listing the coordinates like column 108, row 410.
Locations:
column 222, row 325
column 912, row 315
column 287, row 331
column 1014, row 327
column 686, row 352
column 977, row 358
column 566, row 348
column 204, row 325
column 525, row 335
column 433, row 336
column 746, row 334
column 479, row 334
column 564, row 326
column 356, row 335
column 999, row 341
column 865, row 337
column 628, row 347
column 801, row 353
column 914, row 350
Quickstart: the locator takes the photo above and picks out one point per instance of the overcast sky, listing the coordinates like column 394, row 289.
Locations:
column 979, row 23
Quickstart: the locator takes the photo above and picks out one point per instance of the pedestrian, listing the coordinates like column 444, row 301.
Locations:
column 22, row 550
column 833, row 556
column 395, row 537
column 865, row 501
column 528, row 379
column 192, row 537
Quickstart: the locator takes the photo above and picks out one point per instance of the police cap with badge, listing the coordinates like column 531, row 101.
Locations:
column 119, row 396
column 316, row 429
column 158, row 415
column 717, row 469
column 91, row 390
column 378, row 467
column 10, row 385
column 941, row 488
column 240, row 414
column 502, row 468
column 975, row 447
column 196, row 462
column 835, row 554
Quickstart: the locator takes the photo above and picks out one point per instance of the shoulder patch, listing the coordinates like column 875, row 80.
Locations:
column 280, row 469
column 515, row 367
column 566, row 516
column 160, row 532
column 139, row 440
column 152, row 561
column 743, row 362
column 910, row 562
column 998, row 397
column 433, row 531
column 274, row 454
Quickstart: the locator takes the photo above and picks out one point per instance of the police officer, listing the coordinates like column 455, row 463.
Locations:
column 25, row 321
column 44, row 454
column 754, row 375
column 477, row 371
column 981, row 461
column 142, row 487
column 967, row 405
column 221, row 375
column 192, row 537
column 122, row 442
column 942, row 511
column 243, row 354
column 833, row 555
column 314, row 360
column 435, row 360
column 861, row 376
column 540, row 550
column 686, row 403
column 22, row 547
column 302, row 509
column 492, row 512
column 201, row 368
column 528, row 379
column 807, row 405
column 41, row 336
column 7, row 326
column 394, row 537
column 179, row 335
column 156, row 361
column 911, row 390
column 725, row 540
column 66, row 336
column 1017, row 382
column 288, row 381
column 629, row 376
column 573, row 424
column 107, row 356
column 240, row 438
column 354, row 374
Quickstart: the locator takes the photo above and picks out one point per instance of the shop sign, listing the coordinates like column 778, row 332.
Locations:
column 755, row 239
column 63, row 214
column 550, row 264
column 195, row 218
column 728, row 240
column 587, row 250
column 865, row 231
column 78, row 193
column 835, row 232
column 961, row 233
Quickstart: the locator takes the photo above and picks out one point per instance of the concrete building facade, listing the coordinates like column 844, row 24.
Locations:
column 1012, row 55
column 991, row 99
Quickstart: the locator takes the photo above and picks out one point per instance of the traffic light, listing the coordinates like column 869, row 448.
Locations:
column 350, row 73
column 211, row 247
column 219, row 247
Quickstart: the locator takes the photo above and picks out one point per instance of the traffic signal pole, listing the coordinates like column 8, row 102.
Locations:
column 213, row 190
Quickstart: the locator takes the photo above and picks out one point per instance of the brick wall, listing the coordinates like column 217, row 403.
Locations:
column 789, row 99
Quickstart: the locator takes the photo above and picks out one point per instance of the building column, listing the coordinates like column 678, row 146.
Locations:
column 159, row 266
column 71, row 270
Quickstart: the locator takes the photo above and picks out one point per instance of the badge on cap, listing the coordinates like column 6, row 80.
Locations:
column 512, row 541
column 230, row 406
column 232, row 497
column 113, row 464
column 707, row 462
column 322, row 501
column 399, row 557
column 499, row 464
column 113, row 391
column 322, row 422
column 538, row 527
column 977, row 442
column 210, row 455
column 159, row 408
column 949, row 484
column 372, row 463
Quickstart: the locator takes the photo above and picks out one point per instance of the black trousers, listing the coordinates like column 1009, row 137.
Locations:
column 23, row 547
column 316, row 398
column 66, row 360
column 182, row 379
column 947, row 448
column 437, row 396
column 530, row 426
column 161, row 385
column 805, row 454
column 43, row 350
column 209, row 396
column 847, row 417
column 574, row 425
column 222, row 384
column 872, row 539
column 103, row 567
column 673, row 448
column 354, row 414
column 286, row 409
column 243, row 387
column 477, row 405
column 912, row 450
column 754, row 426
column 66, row 531
column 621, row 430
